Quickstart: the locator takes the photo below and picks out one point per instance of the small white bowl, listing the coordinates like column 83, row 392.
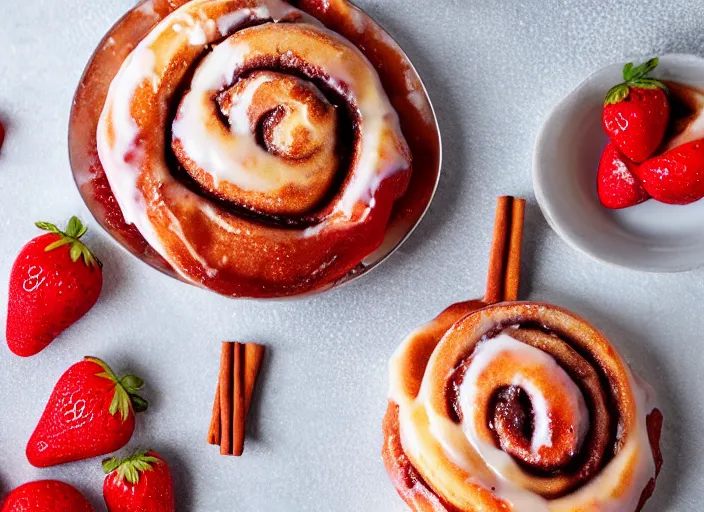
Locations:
column 651, row 236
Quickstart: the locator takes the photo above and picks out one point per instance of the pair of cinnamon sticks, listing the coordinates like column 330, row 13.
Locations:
column 505, row 258
column 239, row 367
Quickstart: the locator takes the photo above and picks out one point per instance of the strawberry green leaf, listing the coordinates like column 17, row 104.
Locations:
column 121, row 403
column 108, row 373
column 74, row 231
column 142, row 465
column 75, row 251
column 47, row 226
column 111, row 464
column 139, row 404
column 132, row 383
column 641, row 71
column 74, row 227
column 59, row 243
column 617, row 94
column 634, row 77
column 649, row 83
column 129, row 473
column 628, row 71
column 125, row 398
column 130, row 468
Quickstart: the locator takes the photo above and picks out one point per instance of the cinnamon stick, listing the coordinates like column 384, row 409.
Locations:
column 253, row 356
column 238, row 401
column 239, row 366
column 513, row 260
column 214, row 429
column 226, row 397
column 505, row 256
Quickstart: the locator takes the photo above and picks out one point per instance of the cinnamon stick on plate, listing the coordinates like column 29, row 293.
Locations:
column 505, row 257
column 239, row 367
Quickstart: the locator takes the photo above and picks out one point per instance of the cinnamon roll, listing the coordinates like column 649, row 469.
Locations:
column 518, row 406
column 246, row 146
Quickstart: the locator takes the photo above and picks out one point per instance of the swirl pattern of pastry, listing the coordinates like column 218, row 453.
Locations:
column 518, row 406
column 255, row 150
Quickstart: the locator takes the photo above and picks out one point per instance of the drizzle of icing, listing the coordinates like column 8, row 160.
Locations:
column 118, row 132
column 489, row 467
column 138, row 68
column 486, row 353
column 178, row 230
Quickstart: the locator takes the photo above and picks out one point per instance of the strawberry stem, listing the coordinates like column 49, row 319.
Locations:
column 126, row 397
column 634, row 77
column 130, row 468
column 74, row 231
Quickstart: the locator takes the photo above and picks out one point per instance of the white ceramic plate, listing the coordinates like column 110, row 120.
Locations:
column 651, row 236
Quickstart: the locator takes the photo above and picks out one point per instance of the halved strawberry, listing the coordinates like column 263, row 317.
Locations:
column 617, row 185
column 677, row 176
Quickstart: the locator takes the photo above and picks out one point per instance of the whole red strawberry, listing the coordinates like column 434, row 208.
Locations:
column 90, row 413
column 46, row 496
column 636, row 112
column 675, row 177
column 140, row 483
column 55, row 281
column 617, row 184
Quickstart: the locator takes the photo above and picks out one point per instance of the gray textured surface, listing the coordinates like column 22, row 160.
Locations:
column 493, row 70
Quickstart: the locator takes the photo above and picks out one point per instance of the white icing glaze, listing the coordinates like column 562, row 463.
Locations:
column 485, row 354
column 363, row 186
column 147, row 8
column 178, row 230
column 542, row 427
column 241, row 161
column 138, row 68
column 492, row 468
column 196, row 36
column 238, row 115
column 274, row 10
column 122, row 157
column 237, row 159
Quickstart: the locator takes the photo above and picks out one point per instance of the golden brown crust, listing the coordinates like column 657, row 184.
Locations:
column 312, row 265
column 418, row 488
column 421, row 498
column 408, row 482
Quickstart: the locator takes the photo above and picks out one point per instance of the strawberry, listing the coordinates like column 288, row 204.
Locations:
column 677, row 176
column 55, row 281
column 91, row 412
column 140, row 483
column 636, row 112
column 617, row 185
column 46, row 496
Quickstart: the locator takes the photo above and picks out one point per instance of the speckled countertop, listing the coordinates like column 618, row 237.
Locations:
column 493, row 70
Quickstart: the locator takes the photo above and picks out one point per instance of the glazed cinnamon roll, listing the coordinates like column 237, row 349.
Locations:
column 255, row 150
column 518, row 406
